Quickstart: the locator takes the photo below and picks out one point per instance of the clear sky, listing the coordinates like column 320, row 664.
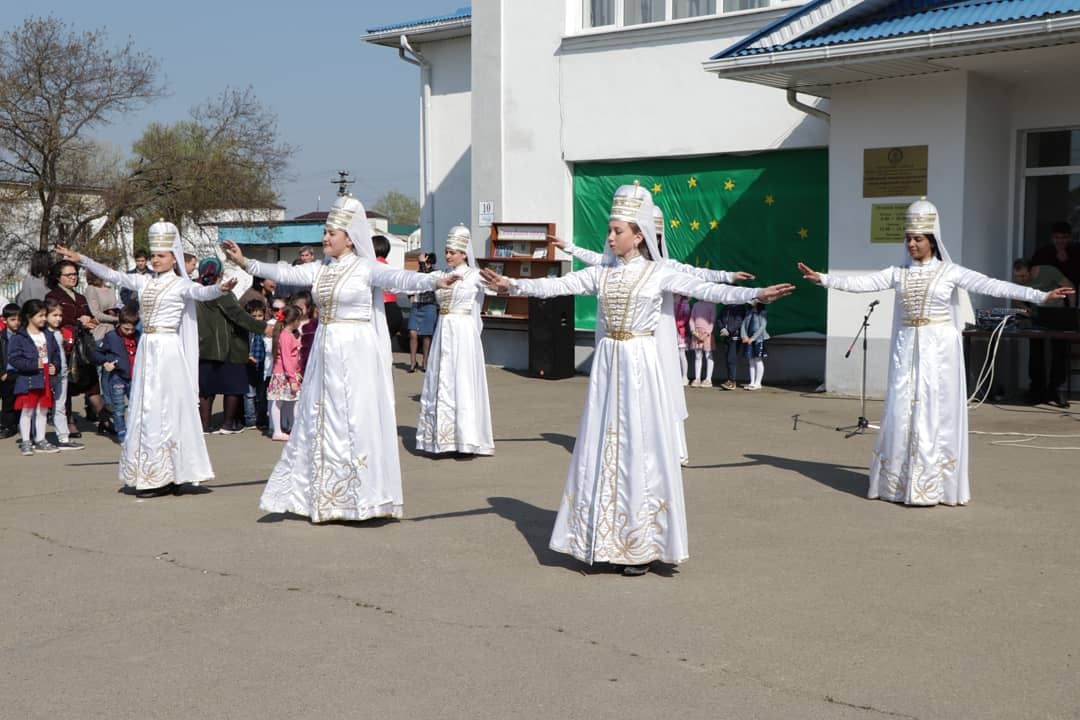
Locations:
column 346, row 104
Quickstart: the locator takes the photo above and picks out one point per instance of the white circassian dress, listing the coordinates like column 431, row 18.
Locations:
column 455, row 414
column 164, row 443
column 623, row 501
column 669, row 351
column 921, row 453
column 341, row 459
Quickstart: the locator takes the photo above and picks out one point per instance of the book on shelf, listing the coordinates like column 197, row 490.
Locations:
column 504, row 250
column 522, row 249
column 521, row 232
column 553, row 271
column 495, row 267
column 539, row 253
column 496, row 306
column 526, row 270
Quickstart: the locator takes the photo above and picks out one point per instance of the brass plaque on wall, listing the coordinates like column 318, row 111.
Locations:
column 895, row 171
column 887, row 222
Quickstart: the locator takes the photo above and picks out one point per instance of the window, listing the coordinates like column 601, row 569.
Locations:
column 597, row 13
column 636, row 12
column 627, row 13
column 692, row 8
column 1051, row 190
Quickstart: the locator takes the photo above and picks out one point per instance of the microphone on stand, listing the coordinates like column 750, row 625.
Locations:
column 873, row 304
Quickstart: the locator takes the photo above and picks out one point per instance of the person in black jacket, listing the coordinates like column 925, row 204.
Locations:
column 223, row 352
column 34, row 355
column 9, row 419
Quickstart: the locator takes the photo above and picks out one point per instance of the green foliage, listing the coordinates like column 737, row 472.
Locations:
column 399, row 207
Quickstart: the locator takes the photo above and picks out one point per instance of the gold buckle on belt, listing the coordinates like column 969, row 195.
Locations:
column 620, row 335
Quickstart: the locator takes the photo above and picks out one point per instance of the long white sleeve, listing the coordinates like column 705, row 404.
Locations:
column 132, row 281
column 682, row 284
column 296, row 275
column 405, row 281
column 589, row 257
column 976, row 282
column 870, row 282
column 715, row 276
column 581, row 282
column 202, row 293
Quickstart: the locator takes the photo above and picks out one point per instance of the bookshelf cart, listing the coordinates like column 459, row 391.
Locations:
column 518, row 250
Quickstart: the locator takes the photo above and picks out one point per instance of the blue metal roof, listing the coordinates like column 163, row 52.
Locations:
column 462, row 13
column 908, row 17
column 285, row 234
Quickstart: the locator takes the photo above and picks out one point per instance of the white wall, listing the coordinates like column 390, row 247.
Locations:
column 451, row 135
column 486, row 178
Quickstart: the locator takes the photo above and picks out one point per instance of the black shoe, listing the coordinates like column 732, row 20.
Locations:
column 74, row 434
column 8, row 432
column 154, row 492
column 635, row 570
column 412, row 369
column 1059, row 400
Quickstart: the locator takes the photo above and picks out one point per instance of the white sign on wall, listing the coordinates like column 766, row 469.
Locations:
column 487, row 213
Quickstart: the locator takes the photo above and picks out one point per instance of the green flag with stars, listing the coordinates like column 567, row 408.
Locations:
column 761, row 213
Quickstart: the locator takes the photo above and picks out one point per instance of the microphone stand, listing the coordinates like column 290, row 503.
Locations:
column 862, row 424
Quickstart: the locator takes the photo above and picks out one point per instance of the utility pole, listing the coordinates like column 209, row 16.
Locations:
column 342, row 182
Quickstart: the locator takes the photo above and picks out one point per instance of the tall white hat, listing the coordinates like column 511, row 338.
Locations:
column 459, row 239
column 163, row 236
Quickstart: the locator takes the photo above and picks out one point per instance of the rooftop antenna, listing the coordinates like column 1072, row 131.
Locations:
column 342, row 182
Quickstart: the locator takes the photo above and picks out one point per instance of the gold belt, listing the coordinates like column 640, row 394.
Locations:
column 620, row 335
column 332, row 320
column 151, row 329
column 920, row 321
column 445, row 311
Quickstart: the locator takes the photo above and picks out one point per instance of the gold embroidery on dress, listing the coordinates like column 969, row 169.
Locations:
column 152, row 292
column 146, row 469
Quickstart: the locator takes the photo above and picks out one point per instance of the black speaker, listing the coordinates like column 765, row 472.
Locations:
column 551, row 337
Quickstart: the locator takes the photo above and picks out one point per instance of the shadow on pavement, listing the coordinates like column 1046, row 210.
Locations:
column 564, row 441
column 838, row 477
column 237, row 484
column 370, row 523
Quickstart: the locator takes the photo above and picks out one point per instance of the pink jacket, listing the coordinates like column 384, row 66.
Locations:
column 682, row 316
column 703, row 317
column 287, row 362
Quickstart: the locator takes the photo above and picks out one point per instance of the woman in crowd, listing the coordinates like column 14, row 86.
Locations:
column 82, row 371
column 223, row 352
column 455, row 415
column 921, row 453
column 164, row 446
column 35, row 285
column 341, row 459
column 422, row 315
column 623, row 501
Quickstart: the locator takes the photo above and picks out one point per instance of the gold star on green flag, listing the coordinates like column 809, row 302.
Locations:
column 729, row 184
column 692, row 182
column 694, row 225
column 657, row 187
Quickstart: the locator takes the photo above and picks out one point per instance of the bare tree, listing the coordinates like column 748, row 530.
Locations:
column 55, row 85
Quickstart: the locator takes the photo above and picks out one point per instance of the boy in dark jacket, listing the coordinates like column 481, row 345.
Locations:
column 117, row 357
column 9, row 419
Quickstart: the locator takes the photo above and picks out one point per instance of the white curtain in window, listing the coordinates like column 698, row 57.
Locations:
column 636, row 12
column 733, row 5
column 692, row 8
column 598, row 13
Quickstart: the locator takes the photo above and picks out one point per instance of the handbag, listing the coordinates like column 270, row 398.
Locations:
column 82, row 365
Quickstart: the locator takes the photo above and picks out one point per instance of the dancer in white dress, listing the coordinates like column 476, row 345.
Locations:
column 341, row 459
column 921, row 453
column 671, row 354
column 164, row 445
column 455, row 415
column 623, row 501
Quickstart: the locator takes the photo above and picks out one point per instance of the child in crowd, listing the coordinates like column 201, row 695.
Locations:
column 9, row 419
column 702, row 320
column 117, row 358
column 255, row 398
column 54, row 319
column 754, row 336
column 682, row 322
column 731, row 320
column 284, row 385
column 34, row 355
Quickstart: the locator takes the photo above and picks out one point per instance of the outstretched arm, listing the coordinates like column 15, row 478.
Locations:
column 976, row 282
column 589, row 257
column 298, row 275
column 870, row 282
column 677, row 282
column 717, row 276
column 581, row 282
column 134, row 281
column 389, row 278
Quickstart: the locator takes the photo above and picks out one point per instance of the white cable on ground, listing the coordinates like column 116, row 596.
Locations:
column 1021, row 439
column 986, row 373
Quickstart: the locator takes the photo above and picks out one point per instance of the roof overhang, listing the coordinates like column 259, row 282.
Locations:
column 816, row 70
column 427, row 32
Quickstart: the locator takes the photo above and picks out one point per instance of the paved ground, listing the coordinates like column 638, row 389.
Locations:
column 801, row 598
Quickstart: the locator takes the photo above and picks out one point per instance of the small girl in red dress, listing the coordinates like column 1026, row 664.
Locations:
column 35, row 356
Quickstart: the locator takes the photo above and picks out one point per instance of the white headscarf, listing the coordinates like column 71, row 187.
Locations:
column 658, row 222
column 164, row 235
column 922, row 217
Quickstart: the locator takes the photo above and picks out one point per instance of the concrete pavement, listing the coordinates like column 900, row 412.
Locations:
column 801, row 598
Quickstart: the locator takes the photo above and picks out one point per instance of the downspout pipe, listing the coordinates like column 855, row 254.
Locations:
column 413, row 57
column 793, row 101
